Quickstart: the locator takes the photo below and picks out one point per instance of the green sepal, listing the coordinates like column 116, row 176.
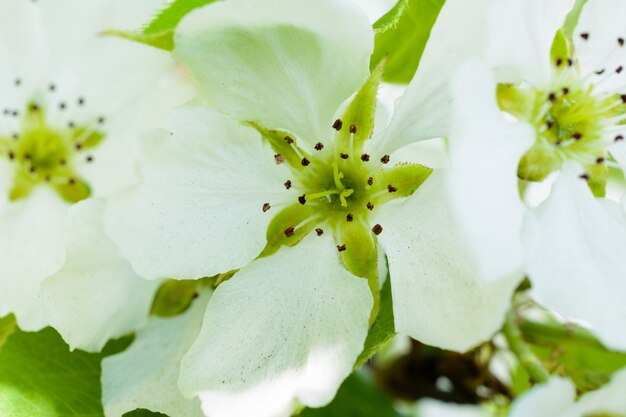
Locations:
column 560, row 51
column 361, row 256
column 538, row 162
column 22, row 186
column 174, row 297
column 598, row 178
column 404, row 178
column 360, row 115
column 572, row 18
column 390, row 19
column 279, row 141
column 161, row 40
column 73, row 192
column 168, row 18
column 291, row 216
column 88, row 138
column 516, row 101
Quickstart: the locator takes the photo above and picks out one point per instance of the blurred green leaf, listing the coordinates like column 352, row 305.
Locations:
column 40, row 377
column 7, row 327
column 383, row 329
column 357, row 397
column 143, row 413
column 402, row 34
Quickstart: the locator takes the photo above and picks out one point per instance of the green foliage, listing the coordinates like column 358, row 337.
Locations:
column 383, row 329
column 40, row 377
column 143, row 413
column 168, row 18
column 7, row 327
column 357, row 397
column 401, row 35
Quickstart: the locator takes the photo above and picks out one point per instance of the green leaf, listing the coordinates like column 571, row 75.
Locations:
column 357, row 397
column 7, row 327
column 402, row 35
column 143, row 413
column 383, row 329
column 168, row 18
column 162, row 40
column 40, row 377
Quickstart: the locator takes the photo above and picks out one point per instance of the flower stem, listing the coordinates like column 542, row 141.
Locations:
column 520, row 348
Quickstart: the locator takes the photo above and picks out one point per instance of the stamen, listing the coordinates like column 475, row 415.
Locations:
column 279, row 159
column 319, row 146
column 620, row 41
column 600, row 160
column 288, row 140
column 305, row 162
column 319, row 231
column 370, row 206
column 385, row 159
column 352, row 129
column 349, row 217
column 89, row 158
column 302, row 199
column 287, row 184
column 365, row 157
column 584, row 177
column 344, row 156
column 378, row 229
column 391, row 188
column 341, row 248
column 370, row 181
column 585, row 36
column 290, row 231
column 338, row 125
column 52, row 88
column 266, row 207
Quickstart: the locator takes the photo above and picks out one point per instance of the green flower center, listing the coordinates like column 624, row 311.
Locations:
column 573, row 120
column 43, row 154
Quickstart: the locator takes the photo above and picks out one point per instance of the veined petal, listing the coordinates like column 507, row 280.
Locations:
column 481, row 182
column 599, row 39
column 31, row 249
column 439, row 295
column 575, row 260
column 199, row 209
column 423, row 112
column 286, row 328
column 521, row 36
column 284, row 64
column 552, row 399
column 146, row 374
column 96, row 295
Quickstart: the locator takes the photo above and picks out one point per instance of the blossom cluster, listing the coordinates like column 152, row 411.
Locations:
column 240, row 200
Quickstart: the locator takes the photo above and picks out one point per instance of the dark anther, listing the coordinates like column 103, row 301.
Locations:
column 619, row 69
column 319, row 231
column 18, row 82
column 305, row 162
column 71, row 181
column 6, row 112
column 34, row 107
column 619, row 138
column 570, row 62
column 302, row 199
column 577, row 136
column 52, row 87
column 559, row 62
column 600, row 160
column 27, row 156
column 623, row 97
column 341, row 248
column 620, row 41
column 32, row 169
column 365, row 157
column 338, row 125
column 290, row 231
column 266, row 207
column 600, row 71
column 62, row 106
column 195, row 295
column 47, row 178
column 288, row 140
column 81, row 101
column 565, row 91
column 101, row 119
column 11, row 155
column 370, row 181
column 63, row 162
column 550, row 124
column 319, row 146
column 15, row 136
column 15, row 113
column 584, row 177
column 349, row 217
column 391, row 188
column 352, row 129
column 89, row 158
column 385, row 159
column 370, row 206
column 78, row 146
column 585, row 36
column 71, row 125
column 378, row 229
column 344, row 156
column 279, row 159
column 288, row 184
column 552, row 97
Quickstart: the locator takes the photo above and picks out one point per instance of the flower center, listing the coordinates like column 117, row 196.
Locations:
column 47, row 154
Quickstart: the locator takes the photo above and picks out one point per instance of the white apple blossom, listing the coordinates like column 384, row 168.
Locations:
column 568, row 112
column 71, row 101
column 288, row 191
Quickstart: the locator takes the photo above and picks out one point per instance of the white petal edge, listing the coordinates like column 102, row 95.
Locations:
column 439, row 297
column 198, row 209
column 146, row 374
column 285, row 329
column 95, row 296
column 285, row 64
column 551, row 399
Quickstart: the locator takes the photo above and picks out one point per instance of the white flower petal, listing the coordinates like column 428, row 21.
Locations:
column 286, row 328
column 31, row 249
column 575, row 260
column 552, row 399
column 423, row 112
column 521, row 37
column 284, row 63
column 602, row 23
column 95, row 296
column 608, row 399
column 439, row 296
column 146, row 374
column 482, row 183
column 198, row 211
